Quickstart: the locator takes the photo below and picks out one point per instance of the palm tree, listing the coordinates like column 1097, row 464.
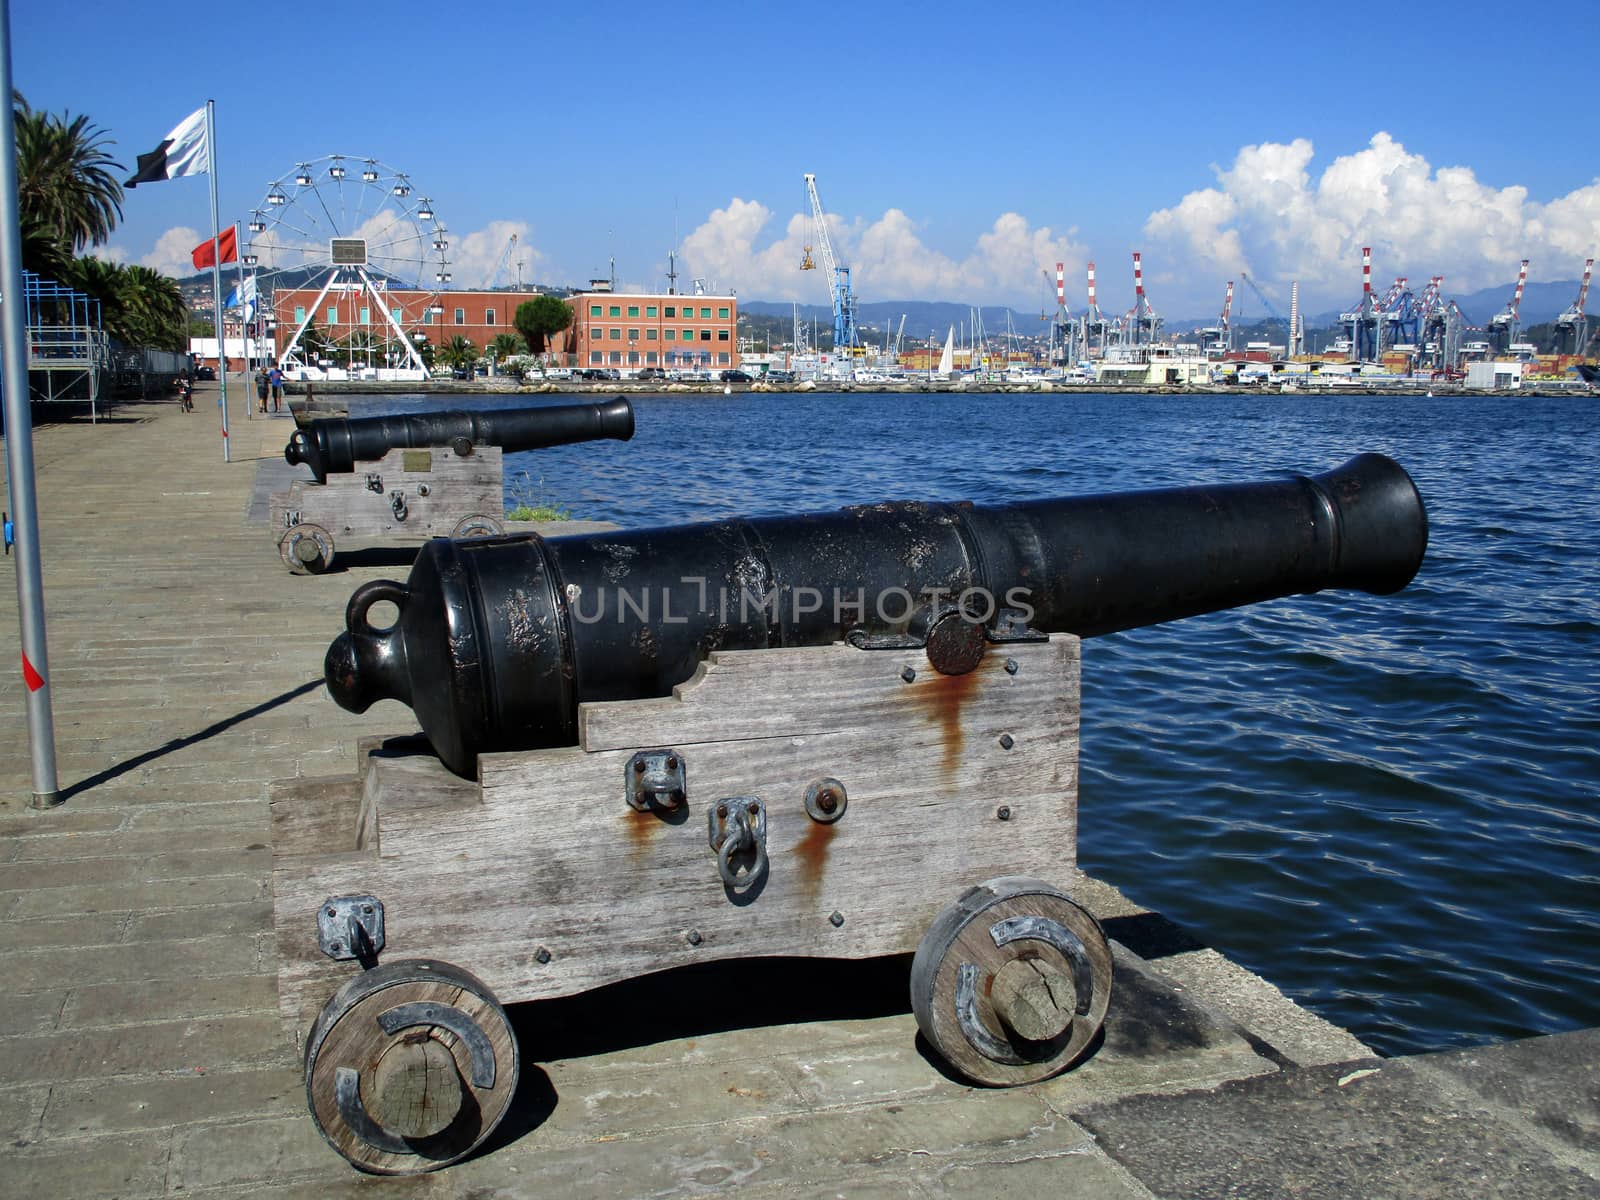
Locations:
column 460, row 352
column 507, row 344
column 154, row 303
column 65, row 182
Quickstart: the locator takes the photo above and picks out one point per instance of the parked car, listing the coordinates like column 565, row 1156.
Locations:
column 736, row 376
column 597, row 373
column 779, row 375
column 558, row 372
column 458, row 373
column 651, row 373
column 205, row 373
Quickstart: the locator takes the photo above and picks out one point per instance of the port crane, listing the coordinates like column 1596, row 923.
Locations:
column 499, row 267
column 1572, row 326
column 1063, row 330
column 1365, row 321
column 846, row 337
column 1272, row 311
column 1143, row 326
column 1505, row 327
column 1096, row 329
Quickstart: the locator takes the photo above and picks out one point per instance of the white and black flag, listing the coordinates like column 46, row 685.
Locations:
column 184, row 151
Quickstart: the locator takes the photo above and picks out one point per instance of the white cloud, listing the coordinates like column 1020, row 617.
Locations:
column 1270, row 216
column 173, row 250
column 475, row 256
column 888, row 258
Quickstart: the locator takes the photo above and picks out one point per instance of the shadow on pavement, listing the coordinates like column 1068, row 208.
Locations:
column 222, row 726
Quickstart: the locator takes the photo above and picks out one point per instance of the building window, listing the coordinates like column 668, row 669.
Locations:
column 633, row 335
column 650, row 335
column 594, row 358
column 427, row 316
column 594, row 310
column 395, row 313
column 615, row 334
column 633, row 358
column 705, row 335
column 595, row 333
column 722, row 335
column 722, row 359
column 706, row 313
column 633, row 310
column 671, row 334
column 616, row 310
column 461, row 316
column 722, row 313
column 670, row 310
column 650, row 358
column 688, row 335
column 649, row 310
column 366, row 316
column 333, row 314
column 488, row 316
column 299, row 314
column 616, row 358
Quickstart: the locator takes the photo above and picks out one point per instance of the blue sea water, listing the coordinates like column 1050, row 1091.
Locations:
column 1390, row 807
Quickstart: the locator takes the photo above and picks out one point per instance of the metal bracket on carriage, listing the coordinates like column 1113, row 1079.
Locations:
column 350, row 928
column 1011, row 625
column 397, row 501
column 375, row 482
column 654, row 781
column 738, row 829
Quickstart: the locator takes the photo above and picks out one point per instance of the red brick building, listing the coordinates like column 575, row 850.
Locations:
column 626, row 332
column 609, row 329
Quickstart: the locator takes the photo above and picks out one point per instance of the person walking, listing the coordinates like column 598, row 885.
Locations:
column 275, row 378
column 261, row 387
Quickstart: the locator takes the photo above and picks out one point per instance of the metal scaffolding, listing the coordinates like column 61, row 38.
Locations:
column 68, row 354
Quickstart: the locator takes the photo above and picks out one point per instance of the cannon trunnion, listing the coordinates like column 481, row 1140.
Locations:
column 793, row 786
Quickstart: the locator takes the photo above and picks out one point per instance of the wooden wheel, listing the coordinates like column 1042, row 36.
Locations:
column 410, row 1066
column 306, row 549
column 1011, row 982
column 478, row 525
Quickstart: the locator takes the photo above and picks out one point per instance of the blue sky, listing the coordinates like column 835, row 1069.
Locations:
column 960, row 150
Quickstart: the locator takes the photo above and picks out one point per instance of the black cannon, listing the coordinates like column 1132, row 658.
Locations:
column 334, row 445
column 417, row 475
column 499, row 640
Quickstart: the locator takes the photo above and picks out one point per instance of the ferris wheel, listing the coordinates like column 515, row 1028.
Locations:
column 359, row 237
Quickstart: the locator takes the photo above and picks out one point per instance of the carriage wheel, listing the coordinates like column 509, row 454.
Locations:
column 306, row 549
column 478, row 525
column 410, row 1066
column 1011, row 982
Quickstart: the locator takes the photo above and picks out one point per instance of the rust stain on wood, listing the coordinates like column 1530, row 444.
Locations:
column 944, row 699
column 812, row 854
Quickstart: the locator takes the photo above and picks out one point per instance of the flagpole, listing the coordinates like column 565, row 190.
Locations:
column 244, row 324
column 19, row 456
column 216, row 274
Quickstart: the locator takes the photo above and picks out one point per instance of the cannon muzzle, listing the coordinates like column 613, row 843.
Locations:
column 498, row 640
column 334, row 445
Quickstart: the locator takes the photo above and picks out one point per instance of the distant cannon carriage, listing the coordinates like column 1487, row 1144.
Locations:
column 417, row 475
column 845, row 734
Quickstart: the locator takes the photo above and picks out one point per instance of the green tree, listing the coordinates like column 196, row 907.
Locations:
column 540, row 317
column 152, row 309
column 66, row 190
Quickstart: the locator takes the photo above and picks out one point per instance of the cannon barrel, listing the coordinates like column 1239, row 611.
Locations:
column 498, row 640
column 334, row 445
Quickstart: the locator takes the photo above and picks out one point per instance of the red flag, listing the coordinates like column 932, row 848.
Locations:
column 204, row 254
